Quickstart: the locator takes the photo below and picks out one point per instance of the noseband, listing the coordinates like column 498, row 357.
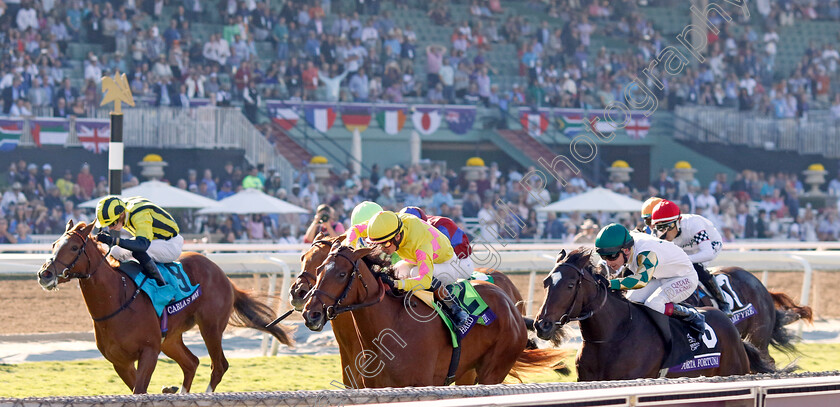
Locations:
column 599, row 284
column 336, row 308
column 67, row 267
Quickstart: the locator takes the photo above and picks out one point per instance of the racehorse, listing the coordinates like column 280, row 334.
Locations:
column 343, row 325
column 128, row 331
column 773, row 310
column 423, row 351
column 619, row 340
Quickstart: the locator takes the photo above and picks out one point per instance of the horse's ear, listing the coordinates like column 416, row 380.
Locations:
column 87, row 229
column 585, row 254
column 69, row 225
column 561, row 256
column 340, row 238
column 319, row 236
column 358, row 254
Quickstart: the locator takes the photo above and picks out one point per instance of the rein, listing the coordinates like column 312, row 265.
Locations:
column 334, row 310
column 566, row 318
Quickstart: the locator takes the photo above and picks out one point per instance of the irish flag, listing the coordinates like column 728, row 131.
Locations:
column 391, row 120
column 10, row 131
column 50, row 132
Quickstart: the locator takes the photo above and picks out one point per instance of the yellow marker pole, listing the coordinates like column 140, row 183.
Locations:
column 116, row 91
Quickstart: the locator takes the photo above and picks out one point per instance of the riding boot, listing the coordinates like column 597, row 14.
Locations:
column 459, row 316
column 150, row 270
column 696, row 320
column 714, row 289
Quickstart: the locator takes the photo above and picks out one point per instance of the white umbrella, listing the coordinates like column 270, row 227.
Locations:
column 163, row 195
column 595, row 200
column 250, row 201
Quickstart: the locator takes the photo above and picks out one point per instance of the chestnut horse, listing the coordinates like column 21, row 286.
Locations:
column 774, row 310
column 412, row 352
column 128, row 329
column 619, row 340
column 343, row 325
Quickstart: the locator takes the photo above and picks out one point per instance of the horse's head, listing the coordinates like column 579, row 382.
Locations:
column 336, row 290
column 570, row 286
column 309, row 262
column 69, row 257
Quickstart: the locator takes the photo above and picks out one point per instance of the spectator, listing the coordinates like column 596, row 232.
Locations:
column 360, row 86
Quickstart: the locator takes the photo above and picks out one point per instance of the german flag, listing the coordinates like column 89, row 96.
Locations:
column 356, row 117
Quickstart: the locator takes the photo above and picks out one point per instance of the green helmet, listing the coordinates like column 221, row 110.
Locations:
column 611, row 239
column 364, row 211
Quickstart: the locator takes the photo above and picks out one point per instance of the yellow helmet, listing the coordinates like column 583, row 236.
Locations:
column 383, row 226
column 108, row 210
column 647, row 208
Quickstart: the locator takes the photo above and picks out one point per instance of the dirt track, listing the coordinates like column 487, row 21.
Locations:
column 26, row 308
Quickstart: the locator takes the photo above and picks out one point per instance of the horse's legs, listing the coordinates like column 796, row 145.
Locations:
column 211, row 331
column 467, row 379
column 145, row 367
column 174, row 347
column 127, row 373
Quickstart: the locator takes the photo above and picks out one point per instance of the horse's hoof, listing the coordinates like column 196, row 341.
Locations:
column 169, row 389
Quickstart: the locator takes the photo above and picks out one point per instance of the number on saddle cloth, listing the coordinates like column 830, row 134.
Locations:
column 178, row 289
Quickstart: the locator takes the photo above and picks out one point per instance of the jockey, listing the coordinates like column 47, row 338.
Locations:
column 155, row 233
column 428, row 261
column 661, row 277
column 457, row 237
column 361, row 214
column 647, row 210
column 697, row 236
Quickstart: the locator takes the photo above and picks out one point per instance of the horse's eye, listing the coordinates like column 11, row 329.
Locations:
column 571, row 285
column 74, row 248
column 342, row 274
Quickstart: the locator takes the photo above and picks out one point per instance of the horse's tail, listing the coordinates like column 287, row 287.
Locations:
column 757, row 363
column 792, row 311
column 249, row 312
column 782, row 338
column 540, row 361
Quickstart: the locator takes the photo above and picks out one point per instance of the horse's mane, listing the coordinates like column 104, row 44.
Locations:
column 101, row 247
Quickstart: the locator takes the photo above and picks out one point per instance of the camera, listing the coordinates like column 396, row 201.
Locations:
column 325, row 216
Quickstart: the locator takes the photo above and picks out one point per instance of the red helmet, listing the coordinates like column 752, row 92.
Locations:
column 665, row 213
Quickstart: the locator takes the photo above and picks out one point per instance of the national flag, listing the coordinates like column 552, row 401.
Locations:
column 535, row 123
column 10, row 132
column 284, row 115
column 426, row 120
column 460, row 119
column 94, row 134
column 320, row 117
column 600, row 124
column 638, row 127
column 356, row 117
column 50, row 131
column 570, row 122
column 391, row 120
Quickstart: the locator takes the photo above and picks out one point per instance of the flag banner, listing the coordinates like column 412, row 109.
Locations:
column 199, row 102
column 284, row 115
column 50, row 131
column 10, row 132
column 321, row 117
column 460, row 119
column 356, row 117
column 426, row 119
column 391, row 119
column 569, row 121
column 94, row 134
column 534, row 122
column 597, row 122
column 638, row 126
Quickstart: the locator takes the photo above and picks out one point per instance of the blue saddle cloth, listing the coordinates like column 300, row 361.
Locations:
column 178, row 285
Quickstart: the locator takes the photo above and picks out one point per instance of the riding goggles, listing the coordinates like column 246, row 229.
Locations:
column 664, row 227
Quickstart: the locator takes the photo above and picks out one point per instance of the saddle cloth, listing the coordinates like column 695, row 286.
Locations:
column 172, row 297
column 683, row 352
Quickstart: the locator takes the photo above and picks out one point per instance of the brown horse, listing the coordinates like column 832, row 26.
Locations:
column 619, row 340
column 412, row 352
column 128, row 331
column 774, row 310
column 343, row 325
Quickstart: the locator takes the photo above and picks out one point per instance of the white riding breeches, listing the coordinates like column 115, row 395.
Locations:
column 658, row 292
column 447, row 272
column 161, row 251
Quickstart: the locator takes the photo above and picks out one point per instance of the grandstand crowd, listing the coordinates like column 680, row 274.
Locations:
column 754, row 205
column 353, row 50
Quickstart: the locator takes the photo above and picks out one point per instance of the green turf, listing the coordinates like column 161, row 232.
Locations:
column 96, row 377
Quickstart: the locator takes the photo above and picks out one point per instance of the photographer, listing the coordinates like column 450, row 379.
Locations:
column 323, row 222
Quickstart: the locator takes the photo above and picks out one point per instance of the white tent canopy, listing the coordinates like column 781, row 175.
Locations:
column 250, row 201
column 163, row 195
column 595, row 200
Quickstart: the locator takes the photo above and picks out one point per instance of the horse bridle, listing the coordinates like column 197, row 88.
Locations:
column 336, row 308
column 566, row 318
column 67, row 267
column 309, row 277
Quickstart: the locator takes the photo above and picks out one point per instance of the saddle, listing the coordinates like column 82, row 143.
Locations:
column 170, row 299
column 683, row 353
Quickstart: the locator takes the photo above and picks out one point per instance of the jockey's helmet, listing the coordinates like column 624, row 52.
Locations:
column 108, row 210
column 364, row 211
column 648, row 206
column 611, row 239
column 666, row 215
column 383, row 227
column 413, row 210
